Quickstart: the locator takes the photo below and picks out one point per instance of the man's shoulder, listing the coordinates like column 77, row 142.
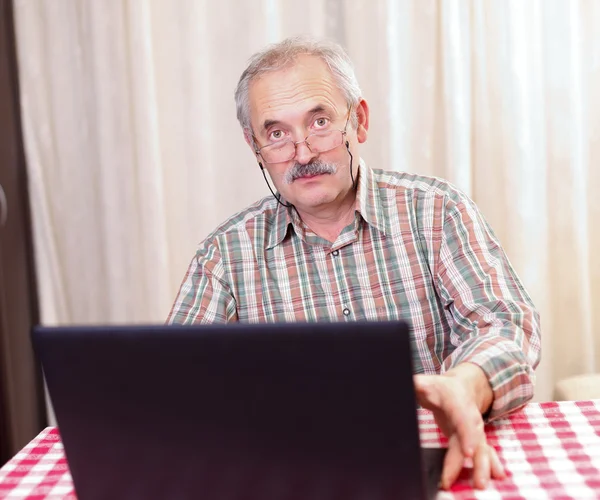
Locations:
column 260, row 216
column 416, row 184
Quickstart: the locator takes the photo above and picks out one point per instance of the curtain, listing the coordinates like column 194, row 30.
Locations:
column 135, row 154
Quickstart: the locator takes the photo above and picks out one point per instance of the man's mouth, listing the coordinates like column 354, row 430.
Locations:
column 308, row 176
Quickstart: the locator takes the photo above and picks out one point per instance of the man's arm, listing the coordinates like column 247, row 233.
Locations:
column 493, row 347
column 494, row 323
column 204, row 295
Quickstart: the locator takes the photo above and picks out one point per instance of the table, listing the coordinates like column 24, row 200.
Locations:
column 550, row 450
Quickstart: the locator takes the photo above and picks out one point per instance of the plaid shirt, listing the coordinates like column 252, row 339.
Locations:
column 417, row 250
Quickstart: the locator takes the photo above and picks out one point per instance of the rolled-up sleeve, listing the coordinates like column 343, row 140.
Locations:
column 494, row 323
column 204, row 295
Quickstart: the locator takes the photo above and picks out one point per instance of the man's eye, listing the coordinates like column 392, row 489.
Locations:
column 276, row 135
column 321, row 122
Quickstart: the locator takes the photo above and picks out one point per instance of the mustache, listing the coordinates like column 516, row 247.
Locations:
column 315, row 167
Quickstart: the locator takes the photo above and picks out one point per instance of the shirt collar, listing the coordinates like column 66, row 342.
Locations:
column 368, row 199
column 282, row 222
column 368, row 205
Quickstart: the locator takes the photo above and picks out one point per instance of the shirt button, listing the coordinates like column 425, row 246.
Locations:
column 346, row 312
column 335, row 253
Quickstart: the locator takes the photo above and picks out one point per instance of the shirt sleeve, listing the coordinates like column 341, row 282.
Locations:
column 204, row 295
column 494, row 322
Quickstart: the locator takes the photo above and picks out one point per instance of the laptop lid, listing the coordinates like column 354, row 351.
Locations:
column 267, row 411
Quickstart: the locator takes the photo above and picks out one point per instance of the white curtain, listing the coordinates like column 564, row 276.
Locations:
column 134, row 152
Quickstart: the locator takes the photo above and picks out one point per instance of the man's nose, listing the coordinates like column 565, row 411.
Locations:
column 303, row 153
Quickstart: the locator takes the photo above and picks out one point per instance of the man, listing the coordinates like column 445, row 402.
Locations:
column 339, row 241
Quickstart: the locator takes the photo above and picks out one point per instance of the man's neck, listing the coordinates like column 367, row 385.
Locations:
column 328, row 222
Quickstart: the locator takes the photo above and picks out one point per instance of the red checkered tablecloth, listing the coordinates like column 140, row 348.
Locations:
column 550, row 450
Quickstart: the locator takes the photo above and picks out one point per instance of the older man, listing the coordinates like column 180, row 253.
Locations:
column 340, row 241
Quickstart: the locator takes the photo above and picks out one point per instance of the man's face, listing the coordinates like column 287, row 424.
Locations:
column 291, row 104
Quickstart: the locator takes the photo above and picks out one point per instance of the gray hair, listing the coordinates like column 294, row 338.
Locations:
column 282, row 54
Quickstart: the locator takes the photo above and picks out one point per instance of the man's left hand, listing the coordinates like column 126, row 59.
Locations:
column 457, row 399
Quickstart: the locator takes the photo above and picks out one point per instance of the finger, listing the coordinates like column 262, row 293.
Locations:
column 498, row 471
column 481, row 466
column 453, row 464
column 470, row 431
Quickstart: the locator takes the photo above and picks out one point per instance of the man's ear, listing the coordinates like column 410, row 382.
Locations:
column 249, row 139
column 362, row 114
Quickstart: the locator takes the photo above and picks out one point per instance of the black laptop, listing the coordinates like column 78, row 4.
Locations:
column 297, row 411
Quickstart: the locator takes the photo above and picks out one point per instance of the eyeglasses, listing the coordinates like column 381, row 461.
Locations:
column 318, row 142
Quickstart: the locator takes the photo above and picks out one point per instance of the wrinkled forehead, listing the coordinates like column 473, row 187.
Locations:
column 289, row 94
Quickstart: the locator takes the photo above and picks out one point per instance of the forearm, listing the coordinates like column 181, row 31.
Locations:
column 507, row 371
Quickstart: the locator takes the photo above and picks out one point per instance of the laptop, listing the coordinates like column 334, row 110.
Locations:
column 299, row 411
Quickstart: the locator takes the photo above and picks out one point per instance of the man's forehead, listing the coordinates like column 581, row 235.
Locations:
column 304, row 87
